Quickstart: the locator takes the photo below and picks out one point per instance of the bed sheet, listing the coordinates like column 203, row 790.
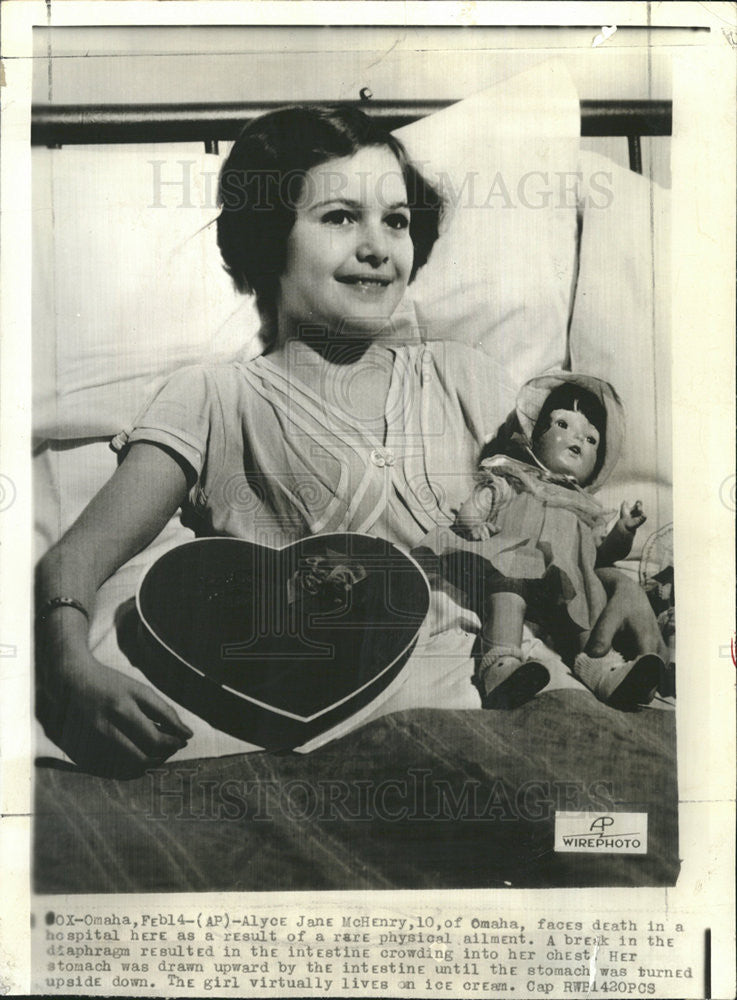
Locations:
column 419, row 799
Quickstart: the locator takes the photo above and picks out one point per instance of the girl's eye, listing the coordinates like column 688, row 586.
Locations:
column 592, row 440
column 561, row 423
column 397, row 220
column 338, row 217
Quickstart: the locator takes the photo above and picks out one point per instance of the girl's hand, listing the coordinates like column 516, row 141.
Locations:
column 107, row 723
column 631, row 517
column 628, row 615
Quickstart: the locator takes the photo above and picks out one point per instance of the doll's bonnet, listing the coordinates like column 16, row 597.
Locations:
column 533, row 394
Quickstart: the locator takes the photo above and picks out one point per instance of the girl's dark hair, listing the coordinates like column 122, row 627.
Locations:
column 567, row 396
column 263, row 177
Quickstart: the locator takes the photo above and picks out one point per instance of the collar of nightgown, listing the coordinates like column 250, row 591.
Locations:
column 366, row 483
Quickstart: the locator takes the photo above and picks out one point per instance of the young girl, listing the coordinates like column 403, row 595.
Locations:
column 325, row 220
column 541, row 533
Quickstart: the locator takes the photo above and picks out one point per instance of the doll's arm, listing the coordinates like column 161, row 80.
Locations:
column 618, row 543
column 476, row 517
column 475, row 511
column 104, row 720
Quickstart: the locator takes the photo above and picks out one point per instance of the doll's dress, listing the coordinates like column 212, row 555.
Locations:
column 540, row 527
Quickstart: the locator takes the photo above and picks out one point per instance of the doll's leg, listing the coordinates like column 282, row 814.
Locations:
column 504, row 680
column 503, row 621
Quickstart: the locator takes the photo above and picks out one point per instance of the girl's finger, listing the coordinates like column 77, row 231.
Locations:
column 161, row 713
column 106, row 750
column 142, row 732
column 131, row 755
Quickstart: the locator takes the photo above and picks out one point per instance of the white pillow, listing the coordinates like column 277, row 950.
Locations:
column 620, row 327
column 127, row 283
column 501, row 276
column 125, row 293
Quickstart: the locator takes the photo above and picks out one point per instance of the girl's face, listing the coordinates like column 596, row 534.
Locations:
column 349, row 253
column 569, row 446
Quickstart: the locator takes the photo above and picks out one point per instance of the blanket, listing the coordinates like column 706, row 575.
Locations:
column 419, row 799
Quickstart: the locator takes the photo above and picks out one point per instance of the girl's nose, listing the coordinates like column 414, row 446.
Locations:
column 372, row 246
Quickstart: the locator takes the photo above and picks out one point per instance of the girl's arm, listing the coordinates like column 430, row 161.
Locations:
column 102, row 719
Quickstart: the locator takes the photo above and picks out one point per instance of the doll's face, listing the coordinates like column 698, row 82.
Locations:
column 570, row 445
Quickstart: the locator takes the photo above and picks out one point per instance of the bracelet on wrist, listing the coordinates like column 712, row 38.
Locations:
column 59, row 602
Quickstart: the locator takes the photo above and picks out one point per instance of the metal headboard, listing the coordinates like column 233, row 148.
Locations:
column 55, row 125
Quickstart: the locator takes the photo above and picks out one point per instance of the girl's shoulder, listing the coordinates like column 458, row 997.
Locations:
column 454, row 352
column 217, row 370
column 485, row 385
column 199, row 387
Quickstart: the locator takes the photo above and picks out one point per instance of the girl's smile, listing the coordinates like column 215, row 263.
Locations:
column 349, row 253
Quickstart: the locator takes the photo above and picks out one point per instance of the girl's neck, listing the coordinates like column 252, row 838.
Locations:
column 328, row 366
column 332, row 349
column 331, row 343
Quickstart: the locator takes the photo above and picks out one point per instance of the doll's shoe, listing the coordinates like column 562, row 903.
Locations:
column 620, row 683
column 508, row 682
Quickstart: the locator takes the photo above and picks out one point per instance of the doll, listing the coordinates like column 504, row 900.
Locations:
column 533, row 521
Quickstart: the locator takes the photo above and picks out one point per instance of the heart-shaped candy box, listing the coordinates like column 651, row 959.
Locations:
column 276, row 646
